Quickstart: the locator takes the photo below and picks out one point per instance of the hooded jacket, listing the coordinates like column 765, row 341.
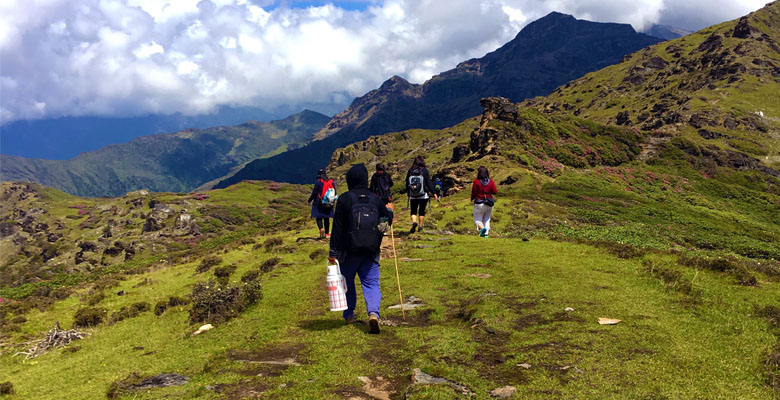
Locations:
column 357, row 183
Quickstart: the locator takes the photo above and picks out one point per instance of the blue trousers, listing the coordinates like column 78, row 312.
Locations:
column 366, row 267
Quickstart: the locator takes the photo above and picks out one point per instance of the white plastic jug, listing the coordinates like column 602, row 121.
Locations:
column 337, row 288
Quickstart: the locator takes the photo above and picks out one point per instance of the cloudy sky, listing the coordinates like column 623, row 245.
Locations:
column 129, row 57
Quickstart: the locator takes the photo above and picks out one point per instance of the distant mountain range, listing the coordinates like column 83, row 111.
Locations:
column 666, row 32
column 66, row 137
column 178, row 162
column 544, row 55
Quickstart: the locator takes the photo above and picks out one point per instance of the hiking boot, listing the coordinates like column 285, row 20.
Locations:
column 414, row 227
column 419, row 229
column 350, row 320
column 327, row 236
column 373, row 324
column 483, row 232
column 322, row 233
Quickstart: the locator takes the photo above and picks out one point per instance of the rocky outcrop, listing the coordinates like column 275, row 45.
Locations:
column 155, row 221
column 185, row 225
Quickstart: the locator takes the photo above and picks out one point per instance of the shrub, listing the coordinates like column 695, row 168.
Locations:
column 224, row 271
column 214, row 304
column 272, row 242
column 620, row 250
column 250, row 275
column 672, row 279
column 89, row 317
column 60, row 293
column 319, row 253
column 269, row 264
column 729, row 265
column 95, row 298
column 129, row 312
column 174, row 301
column 207, row 262
column 160, row 307
column 6, row 388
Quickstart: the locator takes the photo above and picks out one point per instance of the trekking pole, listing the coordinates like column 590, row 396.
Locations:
column 397, row 276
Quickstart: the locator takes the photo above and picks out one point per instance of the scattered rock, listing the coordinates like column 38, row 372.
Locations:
column 608, row 321
column 460, row 152
column 404, row 259
column 421, row 378
column 185, row 225
column 503, row 392
column 481, row 276
column 411, row 302
column 376, row 388
column 524, row 366
column 135, row 382
column 202, row 329
column 568, row 309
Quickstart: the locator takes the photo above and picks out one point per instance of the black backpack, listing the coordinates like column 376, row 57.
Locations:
column 383, row 186
column 416, row 184
column 364, row 236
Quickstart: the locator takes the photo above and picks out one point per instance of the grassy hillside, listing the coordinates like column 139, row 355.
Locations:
column 493, row 315
column 719, row 88
column 179, row 161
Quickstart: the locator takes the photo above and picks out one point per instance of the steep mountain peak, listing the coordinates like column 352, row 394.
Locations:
column 395, row 83
column 544, row 55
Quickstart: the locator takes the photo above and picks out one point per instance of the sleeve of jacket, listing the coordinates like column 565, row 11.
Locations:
column 314, row 192
column 406, row 180
column 338, row 231
column 389, row 179
column 474, row 190
column 492, row 187
column 373, row 185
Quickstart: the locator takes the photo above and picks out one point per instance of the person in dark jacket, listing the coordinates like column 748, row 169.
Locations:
column 418, row 199
column 482, row 191
column 381, row 182
column 364, row 264
column 320, row 212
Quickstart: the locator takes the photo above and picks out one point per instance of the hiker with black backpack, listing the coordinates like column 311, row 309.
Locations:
column 482, row 191
column 381, row 182
column 357, row 236
column 324, row 198
column 419, row 188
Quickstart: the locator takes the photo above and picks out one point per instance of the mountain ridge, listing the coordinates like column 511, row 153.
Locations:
column 561, row 49
column 180, row 161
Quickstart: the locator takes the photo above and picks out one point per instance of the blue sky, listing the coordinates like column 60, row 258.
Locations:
column 356, row 5
column 131, row 57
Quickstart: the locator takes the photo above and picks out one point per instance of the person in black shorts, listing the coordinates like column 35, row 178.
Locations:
column 419, row 188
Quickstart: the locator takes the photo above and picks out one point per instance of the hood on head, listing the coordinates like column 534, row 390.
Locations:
column 357, row 177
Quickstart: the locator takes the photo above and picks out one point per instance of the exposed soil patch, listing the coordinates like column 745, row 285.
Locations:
column 529, row 320
column 351, row 394
column 391, row 355
column 414, row 319
column 249, row 389
column 493, row 359
column 272, row 361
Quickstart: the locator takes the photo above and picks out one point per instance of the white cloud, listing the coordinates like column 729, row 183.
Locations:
column 147, row 50
column 123, row 57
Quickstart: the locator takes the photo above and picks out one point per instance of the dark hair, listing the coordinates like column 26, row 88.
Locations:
column 418, row 163
column 482, row 173
column 321, row 174
column 380, row 167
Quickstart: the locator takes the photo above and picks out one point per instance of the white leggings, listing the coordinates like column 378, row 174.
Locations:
column 482, row 214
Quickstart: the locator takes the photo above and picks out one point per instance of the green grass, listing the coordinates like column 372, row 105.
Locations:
column 704, row 344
